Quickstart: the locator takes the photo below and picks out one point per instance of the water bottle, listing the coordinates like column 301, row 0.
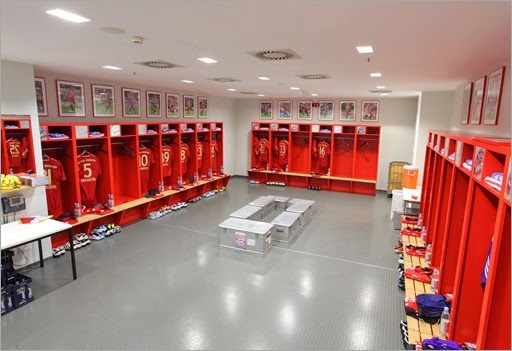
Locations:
column 11, row 172
column 328, row 172
column 420, row 220
column 286, row 168
column 428, row 254
column 434, row 280
column 78, row 210
column 221, row 170
column 161, row 187
column 209, row 173
column 180, row 182
column 423, row 235
column 267, row 167
column 110, row 200
column 445, row 322
column 196, row 177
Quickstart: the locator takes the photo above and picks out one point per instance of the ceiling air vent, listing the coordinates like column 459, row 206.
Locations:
column 275, row 55
column 158, row 64
column 380, row 91
column 248, row 92
column 225, row 80
column 313, row 76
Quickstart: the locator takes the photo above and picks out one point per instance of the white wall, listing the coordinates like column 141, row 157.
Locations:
column 504, row 125
column 397, row 121
column 220, row 109
column 18, row 98
column 435, row 114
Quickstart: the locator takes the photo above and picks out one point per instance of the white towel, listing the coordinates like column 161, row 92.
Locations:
column 492, row 185
column 498, row 176
column 466, row 166
column 491, row 180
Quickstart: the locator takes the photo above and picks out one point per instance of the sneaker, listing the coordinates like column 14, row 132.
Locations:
column 95, row 236
column 152, row 215
column 117, row 229
column 59, row 251
column 83, row 239
column 175, row 207
column 399, row 249
column 184, row 204
column 76, row 245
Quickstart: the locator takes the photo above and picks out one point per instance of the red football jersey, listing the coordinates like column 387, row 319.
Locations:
column 89, row 168
column 314, row 151
column 262, row 149
column 184, row 156
column 214, row 149
column 145, row 159
column 24, row 147
column 283, row 152
column 167, row 157
column 199, row 154
column 324, row 150
column 55, row 172
column 14, row 152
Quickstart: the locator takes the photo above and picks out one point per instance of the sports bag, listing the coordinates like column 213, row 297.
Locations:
column 430, row 307
column 439, row 344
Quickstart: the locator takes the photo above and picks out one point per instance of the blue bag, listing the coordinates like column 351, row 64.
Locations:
column 439, row 344
column 430, row 307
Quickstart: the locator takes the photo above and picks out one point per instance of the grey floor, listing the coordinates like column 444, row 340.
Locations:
column 166, row 284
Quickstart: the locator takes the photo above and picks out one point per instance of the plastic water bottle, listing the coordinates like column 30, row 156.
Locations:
column 420, row 220
column 328, row 172
column 428, row 254
column 445, row 322
column 161, row 187
column 78, row 210
column 196, row 177
column 110, row 200
column 180, row 182
column 209, row 173
column 434, row 280
column 286, row 168
column 423, row 235
column 221, row 170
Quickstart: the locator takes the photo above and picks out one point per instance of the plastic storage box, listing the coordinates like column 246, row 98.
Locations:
column 248, row 212
column 410, row 177
column 21, row 290
column 246, row 235
column 266, row 203
column 286, row 226
column 7, row 301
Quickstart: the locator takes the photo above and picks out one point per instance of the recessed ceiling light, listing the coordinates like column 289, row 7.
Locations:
column 364, row 49
column 68, row 16
column 231, row 89
column 376, row 74
column 294, row 88
column 187, row 81
column 207, row 60
column 314, row 94
column 261, row 95
column 381, row 87
column 264, row 78
column 384, row 94
column 111, row 67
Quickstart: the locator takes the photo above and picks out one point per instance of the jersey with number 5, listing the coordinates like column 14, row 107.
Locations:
column 89, row 168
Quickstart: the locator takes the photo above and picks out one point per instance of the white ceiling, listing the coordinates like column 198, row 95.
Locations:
column 419, row 45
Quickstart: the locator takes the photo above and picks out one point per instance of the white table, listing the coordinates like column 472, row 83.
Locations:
column 15, row 234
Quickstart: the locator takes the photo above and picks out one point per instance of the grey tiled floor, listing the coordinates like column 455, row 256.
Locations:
column 166, row 284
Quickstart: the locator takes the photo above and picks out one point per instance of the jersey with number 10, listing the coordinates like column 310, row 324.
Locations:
column 145, row 159
column 167, row 157
column 89, row 169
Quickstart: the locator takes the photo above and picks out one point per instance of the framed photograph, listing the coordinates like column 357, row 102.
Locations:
column 189, row 106
column 466, row 103
column 103, row 101
column 285, row 109
column 265, row 109
column 347, row 110
column 172, row 105
column 493, row 96
column 42, row 103
column 131, row 102
column 477, row 100
column 202, row 103
column 70, row 99
column 304, row 108
column 370, row 111
column 153, row 104
column 326, row 111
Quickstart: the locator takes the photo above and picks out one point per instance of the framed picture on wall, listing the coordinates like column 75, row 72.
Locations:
column 305, row 109
column 493, row 96
column 189, row 106
column 172, row 102
column 285, row 109
column 131, row 102
column 153, row 104
column 326, row 111
column 265, row 109
column 370, row 111
column 466, row 103
column 202, row 103
column 42, row 103
column 347, row 110
column 103, row 100
column 70, row 99
column 477, row 100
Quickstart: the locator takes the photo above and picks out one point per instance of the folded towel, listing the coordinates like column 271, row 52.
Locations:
column 491, row 180
column 497, row 187
column 498, row 176
column 466, row 166
column 469, row 161
column 452, row 157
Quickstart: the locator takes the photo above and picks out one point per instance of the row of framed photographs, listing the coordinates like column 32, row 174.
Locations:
column 71, row 101
column 347, row 110
column 474, row 107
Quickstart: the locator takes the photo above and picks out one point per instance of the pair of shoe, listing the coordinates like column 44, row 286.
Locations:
column 59, row 251
column 417, row 251
column 98, row 233
column 76, row 245
column 401, row 259
column 208, row 194
column 399, row 249
column 150, row 193
column 312, row 187
column 83, row 239
column 155, row 214
column 178, row 206
column 251, row 181
column 194, row 199
column 276, row 183
column 222, row 188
